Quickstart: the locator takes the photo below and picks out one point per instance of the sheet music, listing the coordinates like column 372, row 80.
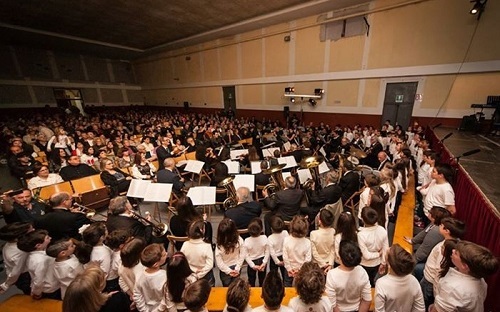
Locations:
column 247, row 180
column 269, row 145
column 323, row 167
column 194, row 166
column 269, row 152
column 137, row 188
column 202, row 195
column 181, row 163
column 287, row 146
column 232, row 166
column 235, row 154
column 255, row 165
column 322, row 151
column 286, row 174
column 288, row 160
column 304, row 175
column 158, row 192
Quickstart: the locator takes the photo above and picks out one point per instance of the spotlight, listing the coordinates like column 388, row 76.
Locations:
column 319, row 91
column 292, row 100
column 478, row 7
column 312, row 102
column 289, row 90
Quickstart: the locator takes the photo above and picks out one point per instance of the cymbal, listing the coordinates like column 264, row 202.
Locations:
column 356, row 152
column 274, row 169
column 310, row 162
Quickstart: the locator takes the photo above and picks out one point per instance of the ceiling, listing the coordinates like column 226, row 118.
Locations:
column 128, row 29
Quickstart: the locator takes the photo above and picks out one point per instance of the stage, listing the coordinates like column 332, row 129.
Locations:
column 482, row 167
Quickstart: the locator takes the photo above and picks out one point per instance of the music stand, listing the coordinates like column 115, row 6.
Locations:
column 158, row 192
column 202, row 196
column 246, row 180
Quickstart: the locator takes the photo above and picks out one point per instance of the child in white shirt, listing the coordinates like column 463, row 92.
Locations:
column 229, row 255
column 296, row 247
column 348, row 285
column 148, row 290
column 463, row 288
column 40, row 266
column 66, row 266
column 399, row 290
column 364, row 198
column 14, row 258
column 196, row 295
column 273, row 293
column 275, row 241
column 373, row 242
column 256, row 249
column 131, row 267
column 310, row 286
column 199, row 253
column 115, row 241
column 94, row 235
column 323, row 241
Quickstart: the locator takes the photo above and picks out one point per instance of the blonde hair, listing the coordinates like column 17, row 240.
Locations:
column 84, row 294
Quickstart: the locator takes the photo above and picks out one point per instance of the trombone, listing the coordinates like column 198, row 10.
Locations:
column 89, row 212
column 159, row 229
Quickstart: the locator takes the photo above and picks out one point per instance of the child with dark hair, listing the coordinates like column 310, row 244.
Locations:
column 94, row 235
column 310, row 286
column 229, row 252
column 14, row 258
column 447, row 251
column 296, row 247
column 364, row 198
column 131, row 267
column 199, row 253
column 39, row 265
column 256, row 250
column 399, row 290
column 115, row 241
column 66, row 266
column 196, row 295
column 464, row 288
column 148, row 289
column 238, row 295
column 179, row 276
column 273, row 293
column 348, row 285
column 276, row 246
column 450, row 228
column 373, row 242
column 346, row 230
column 378, row 200
column 323, row 241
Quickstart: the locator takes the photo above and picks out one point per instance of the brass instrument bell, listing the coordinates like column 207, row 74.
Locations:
column 231, row 200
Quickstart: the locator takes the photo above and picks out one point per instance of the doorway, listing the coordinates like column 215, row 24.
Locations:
column 398, row 103
column 229, row 98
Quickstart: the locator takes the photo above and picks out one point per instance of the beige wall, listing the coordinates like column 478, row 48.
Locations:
column 424, row 42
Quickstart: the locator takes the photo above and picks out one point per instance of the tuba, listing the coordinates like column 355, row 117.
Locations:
column 277, row 182
column 230, row 201
column 312, row 163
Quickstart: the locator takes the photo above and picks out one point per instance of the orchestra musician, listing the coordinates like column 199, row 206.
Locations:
column 330, row 194
column 261, row 178
column 349, row 182
column 21, row 207
column 63, row 221
column 371, row 159
column 164, row 151
column 120, row 217
column 167, row 175
column 245, row 211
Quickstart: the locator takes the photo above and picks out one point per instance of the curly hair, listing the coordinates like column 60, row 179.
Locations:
column 310, row 283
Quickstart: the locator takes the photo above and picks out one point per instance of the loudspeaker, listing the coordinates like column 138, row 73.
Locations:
column 286, row 111
column 186, row 105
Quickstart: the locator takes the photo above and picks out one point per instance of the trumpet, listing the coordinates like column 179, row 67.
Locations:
column 159, row 229
column 89, row 212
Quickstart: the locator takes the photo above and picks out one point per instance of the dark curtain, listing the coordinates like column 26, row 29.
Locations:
column 478, row 213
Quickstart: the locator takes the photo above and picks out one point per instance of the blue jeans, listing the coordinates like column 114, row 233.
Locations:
column 210, row 278
column 252, row 274
column 427, row 291
column 418, row 272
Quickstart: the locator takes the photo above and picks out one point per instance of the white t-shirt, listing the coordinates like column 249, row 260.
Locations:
column 323, row 246
column 398, row 293
column 440, row 195
column 275, row 241
column 296, row 251
column 66, row 271
column 345, row 289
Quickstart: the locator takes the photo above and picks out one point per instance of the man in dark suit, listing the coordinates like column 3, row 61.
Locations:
column 372, row 153
column 21, row 207
column 75, row 169
column 383, row 158
column 246, row 209
column 62, row 222
column 168, row 175
column 349, row 182
column 284, row 203
column 330, row 194
column 164, row 151
column 120, row 217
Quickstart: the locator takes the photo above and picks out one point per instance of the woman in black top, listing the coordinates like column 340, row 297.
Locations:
column 116, row 179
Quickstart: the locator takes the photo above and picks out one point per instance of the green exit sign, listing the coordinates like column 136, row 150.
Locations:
column 399, row 98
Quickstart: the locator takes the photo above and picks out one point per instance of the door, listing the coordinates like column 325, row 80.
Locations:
column 229, row 98
column 398, row 103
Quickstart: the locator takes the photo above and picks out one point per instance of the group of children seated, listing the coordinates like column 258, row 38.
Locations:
column 332, row 270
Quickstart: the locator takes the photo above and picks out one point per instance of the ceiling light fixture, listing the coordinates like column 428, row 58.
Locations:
column 478, row 7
